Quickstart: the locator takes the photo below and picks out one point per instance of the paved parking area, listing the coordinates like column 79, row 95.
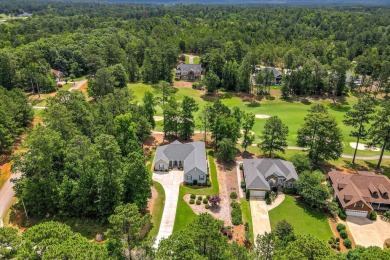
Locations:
column 260, row 218
column 171, row 183
column 366, row 232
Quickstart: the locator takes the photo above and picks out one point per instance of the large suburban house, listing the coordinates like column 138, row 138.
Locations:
column 58, row 74
column 277, row 75
column 189, row 157
column 188, row 71
column 262, row 175
column 359, row 194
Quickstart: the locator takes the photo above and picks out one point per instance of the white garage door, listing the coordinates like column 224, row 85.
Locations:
column 257, row 193
column 356, row 213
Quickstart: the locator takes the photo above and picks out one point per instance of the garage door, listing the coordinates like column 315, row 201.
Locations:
column 257, row 193
column 356, row 213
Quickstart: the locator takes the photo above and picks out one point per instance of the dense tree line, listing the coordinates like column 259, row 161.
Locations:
column 87, row 158
column 15, row 115
column 316, row 45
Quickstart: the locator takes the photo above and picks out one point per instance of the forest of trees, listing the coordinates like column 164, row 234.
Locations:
column 87, row 158
column 316, row 45
column 15, row 116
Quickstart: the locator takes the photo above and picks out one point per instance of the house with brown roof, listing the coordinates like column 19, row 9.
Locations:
column 359, row 194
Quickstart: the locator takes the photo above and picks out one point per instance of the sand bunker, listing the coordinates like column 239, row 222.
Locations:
column 250, row 132
column 262, row 116
column 158, row 118
column 364, row 147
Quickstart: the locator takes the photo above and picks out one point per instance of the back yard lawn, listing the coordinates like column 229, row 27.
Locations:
column 184, row 214
column 305, row 220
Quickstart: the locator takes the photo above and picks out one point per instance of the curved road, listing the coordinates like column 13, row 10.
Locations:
column 7, row 195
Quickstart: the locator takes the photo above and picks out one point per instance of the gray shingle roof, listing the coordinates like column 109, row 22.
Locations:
column 276, row 72
column 185, row 68
column 257, row 171
column 192, row 154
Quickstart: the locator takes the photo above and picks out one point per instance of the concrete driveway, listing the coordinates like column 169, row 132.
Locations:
column 171, row 183
column 260, row 218
column 366, row 232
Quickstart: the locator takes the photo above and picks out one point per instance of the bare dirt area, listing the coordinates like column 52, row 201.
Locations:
column 333, row 224
column 149, row 209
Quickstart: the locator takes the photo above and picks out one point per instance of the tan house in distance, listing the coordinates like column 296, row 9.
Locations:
column 359, row 194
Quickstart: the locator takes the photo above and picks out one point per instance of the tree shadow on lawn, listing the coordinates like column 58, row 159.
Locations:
column 316, row 213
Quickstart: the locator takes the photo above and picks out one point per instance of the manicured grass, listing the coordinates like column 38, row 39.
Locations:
column 187, row 61
column 196, row 60
column 157, row 210
column 184, row 214
column 247, row 216
column 306, row 221
column 292, row 113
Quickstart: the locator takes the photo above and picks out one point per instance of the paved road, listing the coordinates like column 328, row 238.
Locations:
column 260, row 218
column 78, row 85
column 171, row 183
column 7, row 195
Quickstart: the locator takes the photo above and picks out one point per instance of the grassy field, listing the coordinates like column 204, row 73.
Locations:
column 247, row 216
column 157, row 210
column 305, row 220
column 292, row 113
column 184, row 214
column 4, row 18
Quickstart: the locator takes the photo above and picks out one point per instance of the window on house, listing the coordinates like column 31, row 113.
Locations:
column 189, row 177
column 201, row 177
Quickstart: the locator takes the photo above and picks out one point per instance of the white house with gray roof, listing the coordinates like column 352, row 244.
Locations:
column 263, row 174
column 189, row 157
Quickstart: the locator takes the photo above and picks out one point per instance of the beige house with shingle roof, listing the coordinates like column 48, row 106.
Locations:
column 359, row 194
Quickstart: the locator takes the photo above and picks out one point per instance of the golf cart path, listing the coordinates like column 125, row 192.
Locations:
column 171, row 183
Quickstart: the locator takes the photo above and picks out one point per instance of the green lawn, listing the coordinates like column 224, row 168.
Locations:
column 196, row 60
column 184, row 214
column 292, row 113
column 157, row 210
column 305, row 220
column 247, row 216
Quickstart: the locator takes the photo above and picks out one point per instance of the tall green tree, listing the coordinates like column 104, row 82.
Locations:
column 188, row 107
column 120, row 75
column 212, row 82
column 102, row 84
column 126, row 224
column 321, row 134
column 379, row 133
column 358, row 117
column 274, row 136
column 247, row 125
column 313, row 192
column 265, row 246
column 226, row 150
column 149, row 108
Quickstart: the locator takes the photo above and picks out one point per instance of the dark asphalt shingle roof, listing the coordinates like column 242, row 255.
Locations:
column 257, row 171
column 192, row 154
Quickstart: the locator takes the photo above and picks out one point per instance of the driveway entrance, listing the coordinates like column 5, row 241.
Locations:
column 171, row 182
column 260, row 218
column 366, row 232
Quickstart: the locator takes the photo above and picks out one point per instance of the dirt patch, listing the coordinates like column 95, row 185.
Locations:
column 149, row 209
column 183, row 84
column 83, row 87
column 333, row 224
column 239, row 235
column 259, row 116
column 5, row 173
